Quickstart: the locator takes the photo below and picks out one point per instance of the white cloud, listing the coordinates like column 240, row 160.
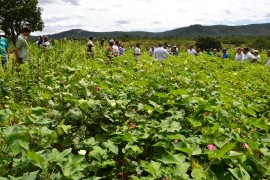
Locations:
column 148, row 15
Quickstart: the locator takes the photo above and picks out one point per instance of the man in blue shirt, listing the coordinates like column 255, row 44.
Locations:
column 225, row 54
column 4, row 49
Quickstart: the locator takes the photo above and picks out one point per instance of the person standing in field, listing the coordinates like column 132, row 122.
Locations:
column 239, row 54
column 116, row 49
column 256, row 54
column 268, row 55
column 109, row 50
column 39, row 42
column 192, row 51
column 199, row 51
column 4, row 49
column 215, row 53
column 90, row 47
column 225, row 54
column 169, row 48
column 174, row 51
column 121, row 48
column 137, row 52
column 151, row 51
column 22, row 47
column 248, row 56
column 160, row 53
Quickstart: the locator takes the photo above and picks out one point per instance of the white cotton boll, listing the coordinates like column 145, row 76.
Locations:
column 82, row 152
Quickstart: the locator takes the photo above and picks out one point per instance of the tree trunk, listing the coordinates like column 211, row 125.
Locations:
column 13, row 36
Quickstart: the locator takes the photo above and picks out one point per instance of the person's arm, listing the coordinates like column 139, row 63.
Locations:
column 195, row 52
column 16, row 52
column 166, row 53
column 253, row 60
column 7, row 50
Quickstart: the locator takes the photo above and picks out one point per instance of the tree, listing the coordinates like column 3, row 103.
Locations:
column 205, row 43
column 16, row 14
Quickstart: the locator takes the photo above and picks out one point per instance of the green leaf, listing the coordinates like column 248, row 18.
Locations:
column 191, row 149
column 113, row 148
column 198, row 173
column 240, row 173
column 97, row 152
column 265, row 151
column 90, row 142
column 221, row 153
column 31, row 175
column 37, row 158
column 225, row 149
column 153, row 168
column 161, row 94
column 95, row 178
column 251, row 112
column 173, row 159
column 17, row 143
column 181, row 170
column 38, row 111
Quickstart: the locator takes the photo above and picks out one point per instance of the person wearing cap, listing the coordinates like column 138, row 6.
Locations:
column 268, row 55
column 225, row 54
column 137, row 52
column 239, row 54
column 248, row 56
column 192, row 51
column 4, row 49
column 90, row 47
column 160, row 53
column 256, row 54
column 22, row 47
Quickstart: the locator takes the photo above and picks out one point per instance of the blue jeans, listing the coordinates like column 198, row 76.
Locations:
column 20, row 60
column 4, row 61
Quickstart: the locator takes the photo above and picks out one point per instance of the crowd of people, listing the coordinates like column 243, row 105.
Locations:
column 117, row 48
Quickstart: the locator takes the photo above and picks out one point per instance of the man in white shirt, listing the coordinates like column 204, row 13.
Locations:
column 160, row 53
column 137, row 52
column 239, row 54
column 248, row 56
column 256, row 54
column 192, row 51
column 268, row 55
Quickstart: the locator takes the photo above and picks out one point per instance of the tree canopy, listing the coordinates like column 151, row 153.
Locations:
column 205, row 43
column 16, row 14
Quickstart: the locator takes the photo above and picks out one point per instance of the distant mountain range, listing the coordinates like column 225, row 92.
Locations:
column 185, row 32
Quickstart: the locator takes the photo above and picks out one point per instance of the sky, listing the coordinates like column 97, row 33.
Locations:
column 148, row 15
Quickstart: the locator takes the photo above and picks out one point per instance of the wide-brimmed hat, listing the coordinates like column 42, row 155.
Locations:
column 256, row 51
column 2, row 33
